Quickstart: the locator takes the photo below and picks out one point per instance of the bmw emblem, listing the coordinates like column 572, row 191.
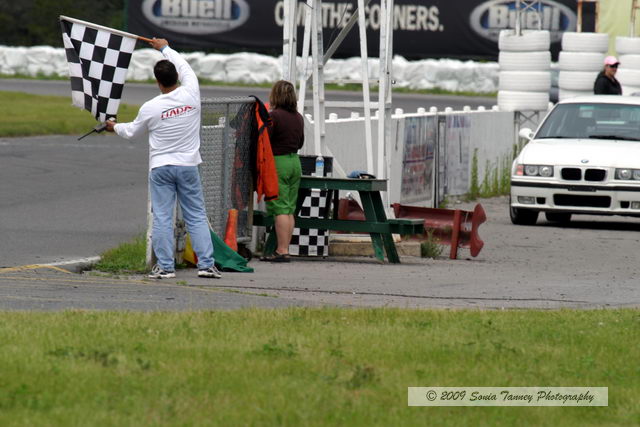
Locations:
column 584, row 161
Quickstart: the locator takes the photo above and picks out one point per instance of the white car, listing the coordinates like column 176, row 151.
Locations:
column 583, row 159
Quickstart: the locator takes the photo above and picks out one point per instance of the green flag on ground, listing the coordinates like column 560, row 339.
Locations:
column 226, row 258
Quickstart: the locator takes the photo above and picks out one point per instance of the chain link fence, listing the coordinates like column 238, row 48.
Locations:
column 225, row 170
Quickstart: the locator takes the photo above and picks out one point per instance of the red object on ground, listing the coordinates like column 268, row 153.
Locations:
column 455, row 227
column 350, row 209
column 230, row 233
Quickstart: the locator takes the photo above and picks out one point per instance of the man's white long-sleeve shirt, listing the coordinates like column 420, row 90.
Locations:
column 172, row 120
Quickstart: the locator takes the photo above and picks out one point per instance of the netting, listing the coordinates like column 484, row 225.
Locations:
column 225, row 170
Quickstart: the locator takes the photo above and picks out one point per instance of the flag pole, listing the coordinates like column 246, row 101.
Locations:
column 100, row 27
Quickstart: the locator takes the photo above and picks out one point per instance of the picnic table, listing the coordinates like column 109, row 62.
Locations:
column 376, row 222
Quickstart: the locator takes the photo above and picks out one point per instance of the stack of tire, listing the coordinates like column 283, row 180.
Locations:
column 525, row 78
column 580, row 61
column 628, row 50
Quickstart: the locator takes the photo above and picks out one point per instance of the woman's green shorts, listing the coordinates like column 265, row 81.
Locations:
column 289, row 172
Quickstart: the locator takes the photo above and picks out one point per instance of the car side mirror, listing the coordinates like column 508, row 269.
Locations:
column 526, row 133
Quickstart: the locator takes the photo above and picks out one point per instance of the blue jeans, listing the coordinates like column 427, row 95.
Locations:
column 183, row 181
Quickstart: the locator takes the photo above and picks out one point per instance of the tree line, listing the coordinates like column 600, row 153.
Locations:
column 35, row 22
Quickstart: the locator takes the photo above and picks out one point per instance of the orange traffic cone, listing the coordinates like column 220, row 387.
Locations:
column 232, row 226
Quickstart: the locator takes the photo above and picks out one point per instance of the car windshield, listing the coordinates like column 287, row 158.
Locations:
column 593, row 121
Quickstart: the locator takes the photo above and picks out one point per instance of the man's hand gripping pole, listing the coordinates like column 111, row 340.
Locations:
column 99, row 128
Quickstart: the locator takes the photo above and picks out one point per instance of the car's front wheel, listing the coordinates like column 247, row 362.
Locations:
column 523, row 216
column 561, row 217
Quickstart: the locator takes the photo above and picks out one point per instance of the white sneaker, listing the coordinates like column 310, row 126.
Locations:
column 211, row 272
column 158, row 272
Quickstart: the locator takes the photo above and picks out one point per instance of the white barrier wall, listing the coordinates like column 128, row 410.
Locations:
column 245, row 67
column 456, row 136
column 493, row 136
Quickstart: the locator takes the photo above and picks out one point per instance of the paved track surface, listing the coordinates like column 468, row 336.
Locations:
column 590, row 264
column 49, row 288
column 61, row 199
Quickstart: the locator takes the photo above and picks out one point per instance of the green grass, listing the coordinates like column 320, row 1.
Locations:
column 496, row 180
column 23, row 114
column 309, row 366
column 39, row 76
column 430, row 247
column 126, row 258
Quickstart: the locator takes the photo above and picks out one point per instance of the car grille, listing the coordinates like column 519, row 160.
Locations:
column 582, row 201
column 595, row 175
column 575, row 174
column 571, row 174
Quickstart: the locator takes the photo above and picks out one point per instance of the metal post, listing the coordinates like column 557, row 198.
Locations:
column 523, row 6
column 443, row 173
column 387, row 72
column 227, row 153
column 321, row 97
column 302, row 89
column 384, row 94
column 365, row 85
column 635, row 6
column 579, row 12
column 318, row 80
column 343, row 33
column 150, row 258
column 518, row 19
column 289, row 42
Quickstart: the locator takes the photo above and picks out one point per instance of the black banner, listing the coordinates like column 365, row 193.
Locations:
column 422, row 28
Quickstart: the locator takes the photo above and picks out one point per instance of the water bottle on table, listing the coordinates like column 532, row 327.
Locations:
column 319, row 166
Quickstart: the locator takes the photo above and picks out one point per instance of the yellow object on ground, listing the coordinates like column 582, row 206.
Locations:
column 188, row 255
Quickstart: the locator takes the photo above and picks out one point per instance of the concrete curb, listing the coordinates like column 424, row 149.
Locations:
column 76, row 265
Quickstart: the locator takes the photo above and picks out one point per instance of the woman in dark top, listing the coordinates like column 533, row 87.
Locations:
column 287, row 137
column 606, row 82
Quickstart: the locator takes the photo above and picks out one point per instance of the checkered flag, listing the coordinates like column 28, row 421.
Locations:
column 98, row 60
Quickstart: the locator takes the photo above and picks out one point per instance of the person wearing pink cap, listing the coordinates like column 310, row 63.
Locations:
column 606, row 82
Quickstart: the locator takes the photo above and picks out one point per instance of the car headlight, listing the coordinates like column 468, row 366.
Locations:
column 628, row 174
column 545, row 171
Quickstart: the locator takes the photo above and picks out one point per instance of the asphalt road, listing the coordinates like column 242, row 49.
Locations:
column 589, row 264
column 61, row 199
column 137, row 94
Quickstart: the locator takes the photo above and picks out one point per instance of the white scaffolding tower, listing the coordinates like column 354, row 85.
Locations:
column 523, row 7
column 314, row 70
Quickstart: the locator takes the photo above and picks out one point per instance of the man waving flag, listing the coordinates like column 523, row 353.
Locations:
column 98, row 60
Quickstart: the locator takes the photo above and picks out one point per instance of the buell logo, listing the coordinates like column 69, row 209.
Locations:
column 492, row 16
column 175, row 112
column 196, row 16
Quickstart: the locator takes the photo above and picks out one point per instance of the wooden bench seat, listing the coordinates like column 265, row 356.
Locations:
column 405, row 226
